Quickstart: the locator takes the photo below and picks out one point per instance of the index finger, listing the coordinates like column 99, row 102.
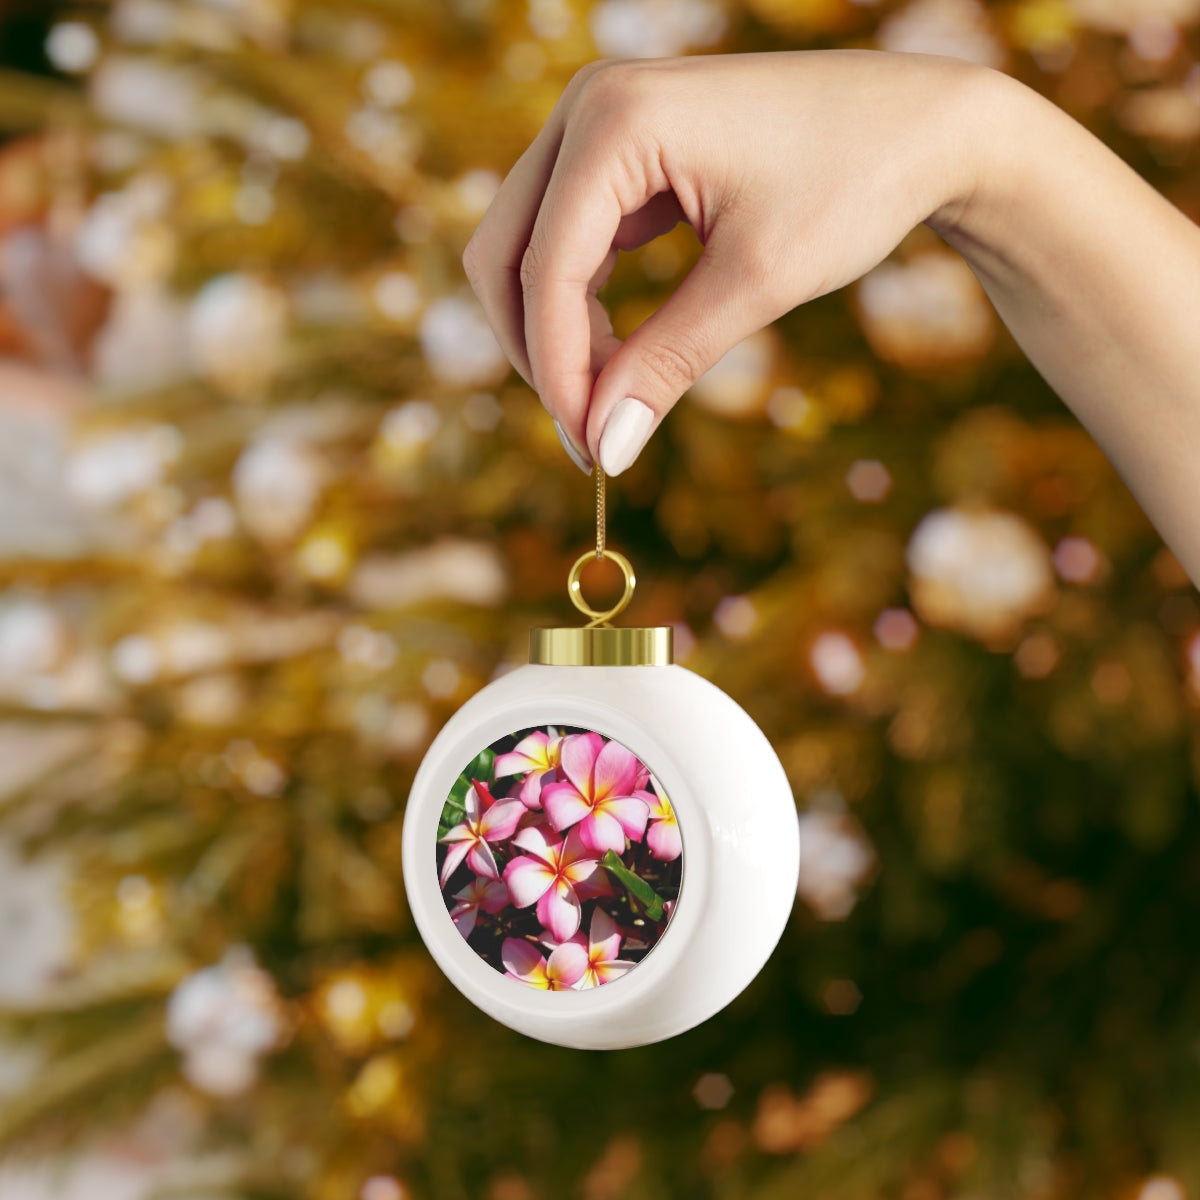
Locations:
column 492, row 259
column 589, row 192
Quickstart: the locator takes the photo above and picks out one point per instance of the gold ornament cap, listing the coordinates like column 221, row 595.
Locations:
column 598, row 644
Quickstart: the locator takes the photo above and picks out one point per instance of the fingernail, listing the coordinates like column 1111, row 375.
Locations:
column 625, row 433
column 573, row 451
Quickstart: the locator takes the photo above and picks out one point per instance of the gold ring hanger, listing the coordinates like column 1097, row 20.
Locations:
column 598, row 643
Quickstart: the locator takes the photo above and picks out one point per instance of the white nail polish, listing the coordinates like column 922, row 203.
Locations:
column 573, row 451
column 625, row 433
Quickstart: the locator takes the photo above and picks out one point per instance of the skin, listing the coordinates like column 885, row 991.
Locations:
column 800, row 171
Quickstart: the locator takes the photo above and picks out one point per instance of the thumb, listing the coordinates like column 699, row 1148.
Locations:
column 718, row 303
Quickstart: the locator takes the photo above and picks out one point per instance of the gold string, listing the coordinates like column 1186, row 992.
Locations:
column 574, row 588
column 600, row 513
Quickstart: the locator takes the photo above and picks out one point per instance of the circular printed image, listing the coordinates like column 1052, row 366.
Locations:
column 559, row 858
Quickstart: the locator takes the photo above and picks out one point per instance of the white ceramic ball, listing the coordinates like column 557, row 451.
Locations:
column 741, row 848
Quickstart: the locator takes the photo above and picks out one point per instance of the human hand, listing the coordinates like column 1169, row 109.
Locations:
column 798, row 171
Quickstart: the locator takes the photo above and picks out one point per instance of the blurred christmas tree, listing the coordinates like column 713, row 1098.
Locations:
column 313, row 512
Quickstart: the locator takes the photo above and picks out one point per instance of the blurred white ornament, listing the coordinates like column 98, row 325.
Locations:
column 223, row 1019
column 189, row 647
column 441, row 678
column 388, row 83
column 277, row 482
column 927, row 312
column 411, row 425
column 550, row 19
column 148, row 94
column 981, row 572
column 654, row 28
column 326, row 298
column 954, row 28
column 36, row 926
column 1167, row 113
column 72, row 46
column 364, row 647
column 282, row 137
column 1162, row 1187
column 466, row 572
column 136, row 660
column 791, row 409
column 211, row 700
column 397, row 295
column 33, row 640
column 390, row 139
column 263, row 777
column 382, row 1187
column 113, row 467
column 835, row 860
column 869, row 481
column 1077, row 560
column 141, row 344
column 124, row 239
column 736, row 617
column 406, row 728
column 265, row 21
column 837, row 664
column 213, row 519
column 1123, row 16
column 142, row 22
column 736, row 384
column 236, row 330
column 253, row 204
column 476, row 190
column 459, row 345
column 1154, row 39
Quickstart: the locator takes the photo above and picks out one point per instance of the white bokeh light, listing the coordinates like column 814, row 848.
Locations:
column 837, row 664
column 459, row 345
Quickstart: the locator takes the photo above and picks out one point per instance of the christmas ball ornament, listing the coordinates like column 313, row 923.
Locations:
column 601, row 849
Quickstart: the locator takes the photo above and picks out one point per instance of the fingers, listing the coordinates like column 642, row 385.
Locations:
column 569, row 254
column 603, row 344
column 723, row 299
column 547, row 245
column 492, row 259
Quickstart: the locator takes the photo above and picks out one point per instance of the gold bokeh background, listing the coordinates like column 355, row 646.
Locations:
column 272, row 506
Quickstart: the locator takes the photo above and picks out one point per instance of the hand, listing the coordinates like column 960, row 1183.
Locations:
column 798, row 171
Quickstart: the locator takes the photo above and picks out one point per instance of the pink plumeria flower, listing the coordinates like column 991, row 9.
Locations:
column 663, row 835
column 559, row 973
column 490, row 895
column 534, row 756
column 597, row 793
column 488, row 820
column 551, row 875
column 603, row 946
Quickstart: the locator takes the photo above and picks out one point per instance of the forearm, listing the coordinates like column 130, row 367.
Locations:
column 1098, row 278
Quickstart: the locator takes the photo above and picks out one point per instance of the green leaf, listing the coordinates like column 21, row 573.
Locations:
column 455, row 808
column 481, row 765
column 637, row 887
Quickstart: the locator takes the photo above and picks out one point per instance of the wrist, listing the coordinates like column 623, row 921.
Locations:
column 984, row 149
